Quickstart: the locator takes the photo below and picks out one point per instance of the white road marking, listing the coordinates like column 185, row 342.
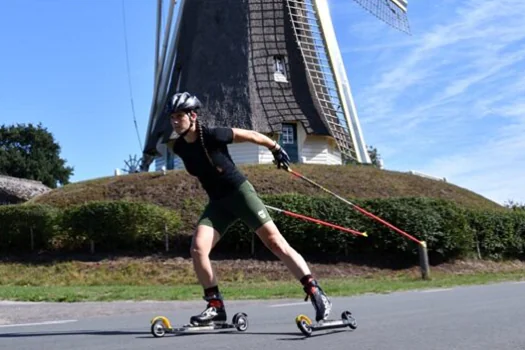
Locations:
column 436, row 290
column 9, row 302
column 36, row 324
column 284, row 305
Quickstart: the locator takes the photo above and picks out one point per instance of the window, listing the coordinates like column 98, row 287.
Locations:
column 279, row 69
column 288, row 135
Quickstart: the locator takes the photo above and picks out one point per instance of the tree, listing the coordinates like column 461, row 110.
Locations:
column 375, row 158
column 30, row 152
column 513, row 205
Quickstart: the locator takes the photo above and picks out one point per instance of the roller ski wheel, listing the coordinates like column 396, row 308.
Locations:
column 347, row 317
column 240, row 321
column 304, row 324
column 307, row 327
column 160, row 326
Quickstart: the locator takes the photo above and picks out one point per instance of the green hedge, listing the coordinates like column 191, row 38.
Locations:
column 450, row 231
column 499, row 235
column 17, row 222
column 443, row 225
column 119, row 225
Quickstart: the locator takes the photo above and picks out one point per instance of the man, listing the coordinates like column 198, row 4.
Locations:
column 205, row 155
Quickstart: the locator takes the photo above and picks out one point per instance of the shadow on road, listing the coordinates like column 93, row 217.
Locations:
column 45, row 334
column 296, row 335
column 148, row 335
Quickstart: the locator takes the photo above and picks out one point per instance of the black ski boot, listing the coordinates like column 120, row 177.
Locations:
column 214, row 313
column 321, row 303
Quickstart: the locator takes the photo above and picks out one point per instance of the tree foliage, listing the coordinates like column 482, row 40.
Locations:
column 375, row 158
column 30, row 152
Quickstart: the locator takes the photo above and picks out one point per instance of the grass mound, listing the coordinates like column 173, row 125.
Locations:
column 354, row 182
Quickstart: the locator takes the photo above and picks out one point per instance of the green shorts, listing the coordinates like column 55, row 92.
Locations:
column 243, row 205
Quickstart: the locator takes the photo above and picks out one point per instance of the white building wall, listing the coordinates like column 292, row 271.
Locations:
column 320, row 150
column 159, row 163
column 311, row 149
column 333, row 155
column 244, row 153
column 264, row 155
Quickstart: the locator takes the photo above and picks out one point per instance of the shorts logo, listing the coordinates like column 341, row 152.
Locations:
column 262, row 214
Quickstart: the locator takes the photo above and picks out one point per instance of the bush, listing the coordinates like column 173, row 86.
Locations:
column 441, row 224
column 499, row 235
column 449, row 230
column 120, row 225
column 17, row 222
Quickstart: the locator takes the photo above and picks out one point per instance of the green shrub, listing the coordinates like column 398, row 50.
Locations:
column 451, row 231
column 499, row 235
column 448, row 229
column 18, row 221
column 441, row 224
column 120, row 225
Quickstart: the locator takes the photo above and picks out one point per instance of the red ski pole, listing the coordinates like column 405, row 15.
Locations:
column 317, row 221
column 357, row 207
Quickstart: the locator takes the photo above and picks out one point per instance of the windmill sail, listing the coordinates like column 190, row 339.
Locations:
column 316, row 39
column 392, row 12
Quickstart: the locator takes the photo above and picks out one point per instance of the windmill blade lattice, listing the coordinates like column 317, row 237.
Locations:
column 319, row 69
column 392, row 12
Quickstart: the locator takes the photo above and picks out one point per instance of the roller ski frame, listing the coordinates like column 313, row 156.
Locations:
column 160, row 326
column 307, row 327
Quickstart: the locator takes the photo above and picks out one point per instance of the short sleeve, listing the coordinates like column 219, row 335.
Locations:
column 222, row 135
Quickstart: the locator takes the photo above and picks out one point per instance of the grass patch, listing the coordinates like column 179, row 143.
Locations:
column 174, row 279
column 247, row 290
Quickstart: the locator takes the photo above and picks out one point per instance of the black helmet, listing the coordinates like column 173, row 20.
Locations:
column 183, row 101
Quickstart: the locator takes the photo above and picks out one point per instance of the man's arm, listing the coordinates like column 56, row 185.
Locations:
column 243, row 135
column 281, row 158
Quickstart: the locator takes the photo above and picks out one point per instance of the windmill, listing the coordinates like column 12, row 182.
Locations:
column 273, row 66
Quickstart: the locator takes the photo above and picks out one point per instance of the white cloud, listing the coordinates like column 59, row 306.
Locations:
column 448, row 100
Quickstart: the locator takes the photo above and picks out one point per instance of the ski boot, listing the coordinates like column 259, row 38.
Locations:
column 214, row 313
column 323, row 307
column 321, row 303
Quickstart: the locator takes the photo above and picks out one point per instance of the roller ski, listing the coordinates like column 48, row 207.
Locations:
column 160, row 326
column 322, row 306
column 212, row 318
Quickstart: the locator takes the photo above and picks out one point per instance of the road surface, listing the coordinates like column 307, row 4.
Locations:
column 466, row 318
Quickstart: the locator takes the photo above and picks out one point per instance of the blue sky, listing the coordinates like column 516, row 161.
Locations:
column 447, row 101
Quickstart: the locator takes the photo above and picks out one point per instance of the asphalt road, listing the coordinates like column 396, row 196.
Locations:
column 466, row 318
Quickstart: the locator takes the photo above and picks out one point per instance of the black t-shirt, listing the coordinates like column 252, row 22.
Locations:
column 219, row 179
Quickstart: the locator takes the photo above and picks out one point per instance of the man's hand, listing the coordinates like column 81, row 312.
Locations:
column 281, row 158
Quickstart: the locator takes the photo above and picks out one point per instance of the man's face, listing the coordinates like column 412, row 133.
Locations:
column 180, row 121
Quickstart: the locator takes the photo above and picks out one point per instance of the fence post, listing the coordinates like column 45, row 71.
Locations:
column 423, row 261
column 167, row 245
column 32, row 238
column 253, row 244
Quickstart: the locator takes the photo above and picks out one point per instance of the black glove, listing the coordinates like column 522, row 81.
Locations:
column 281, row 158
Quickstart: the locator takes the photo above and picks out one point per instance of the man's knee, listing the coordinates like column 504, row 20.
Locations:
column 197, row 252
column 204, row 239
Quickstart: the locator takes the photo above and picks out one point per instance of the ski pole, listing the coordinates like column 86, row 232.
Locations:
column 295, row 173
column 317, row 221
